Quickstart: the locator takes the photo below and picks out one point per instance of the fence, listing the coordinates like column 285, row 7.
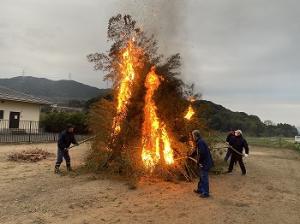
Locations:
column 28, row 131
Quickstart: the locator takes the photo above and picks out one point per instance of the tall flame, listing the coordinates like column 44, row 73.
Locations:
column 127, row 76
column 168, row 152
column 155, row 140
column 189, row 113
column 154, row 132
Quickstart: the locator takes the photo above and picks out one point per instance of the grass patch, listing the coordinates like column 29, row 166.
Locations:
column 274, row 142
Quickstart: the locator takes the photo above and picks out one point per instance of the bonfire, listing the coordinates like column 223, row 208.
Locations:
column 145, row 129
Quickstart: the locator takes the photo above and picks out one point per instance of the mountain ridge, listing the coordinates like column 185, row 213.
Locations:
column 217, row 116
column 55, row 91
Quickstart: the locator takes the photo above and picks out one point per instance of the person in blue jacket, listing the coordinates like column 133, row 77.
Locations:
column 65, row 139
column 205, row 162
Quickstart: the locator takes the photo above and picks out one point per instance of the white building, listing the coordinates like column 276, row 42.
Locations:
column 18, row 110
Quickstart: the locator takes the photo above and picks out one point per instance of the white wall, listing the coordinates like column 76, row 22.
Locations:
column 28, row 111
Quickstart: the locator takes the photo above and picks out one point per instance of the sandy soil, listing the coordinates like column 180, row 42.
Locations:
column 32, row 193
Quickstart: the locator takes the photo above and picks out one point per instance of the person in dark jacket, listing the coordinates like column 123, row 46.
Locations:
column 238, row 144
column 65, row 139
column 229, row 140
column 205, row 162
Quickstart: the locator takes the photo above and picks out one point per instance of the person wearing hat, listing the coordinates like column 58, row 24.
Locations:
column 204, row 161
column 65, row 139
column 238, row 144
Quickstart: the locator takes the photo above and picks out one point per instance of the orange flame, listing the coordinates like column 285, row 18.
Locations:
column 127, row 77
column 189, row 113
column 154, row 132
column 168, row 152
column 191, row 98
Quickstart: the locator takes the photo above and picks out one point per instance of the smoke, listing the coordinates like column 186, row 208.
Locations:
column 163, row 18
column 167, row 20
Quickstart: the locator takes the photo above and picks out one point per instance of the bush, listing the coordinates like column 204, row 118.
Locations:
column 57, row 121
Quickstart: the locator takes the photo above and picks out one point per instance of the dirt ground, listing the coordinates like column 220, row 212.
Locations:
column 32, row 193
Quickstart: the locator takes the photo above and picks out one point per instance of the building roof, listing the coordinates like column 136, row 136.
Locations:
column 13, row 95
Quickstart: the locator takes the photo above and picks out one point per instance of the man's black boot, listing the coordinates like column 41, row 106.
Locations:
column 56, row 170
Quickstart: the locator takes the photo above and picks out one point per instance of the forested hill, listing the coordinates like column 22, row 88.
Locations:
column 221, row 119
column 55, row 91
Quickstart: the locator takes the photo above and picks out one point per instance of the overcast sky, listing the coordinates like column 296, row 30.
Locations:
column 244, row 55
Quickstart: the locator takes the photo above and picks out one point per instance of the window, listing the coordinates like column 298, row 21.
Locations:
column 1, row 114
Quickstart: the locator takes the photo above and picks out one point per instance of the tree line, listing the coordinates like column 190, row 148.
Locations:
column 216, row 117
column 221, row 119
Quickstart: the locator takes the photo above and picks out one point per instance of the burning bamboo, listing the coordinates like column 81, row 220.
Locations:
column 148, row 99
column 154, row 131
column 189, row 113
column 126, row 81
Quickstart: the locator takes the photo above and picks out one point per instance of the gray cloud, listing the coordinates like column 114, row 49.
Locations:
column 242, row 54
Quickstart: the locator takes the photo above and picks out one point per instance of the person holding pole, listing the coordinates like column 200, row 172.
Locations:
column 65, row 139
column 238, row 144
column 204, row 161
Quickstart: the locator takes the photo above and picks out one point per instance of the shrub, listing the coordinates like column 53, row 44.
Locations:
column 57, row 121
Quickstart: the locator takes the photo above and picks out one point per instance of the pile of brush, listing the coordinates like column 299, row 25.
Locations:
column 31, row 155
column 142, row 128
